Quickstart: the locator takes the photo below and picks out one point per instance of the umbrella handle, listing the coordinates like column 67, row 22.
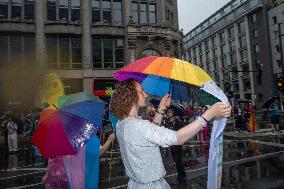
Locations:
column 110, row 162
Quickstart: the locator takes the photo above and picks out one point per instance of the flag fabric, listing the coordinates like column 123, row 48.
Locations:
column 83, row 168
column 251, row 120
column 216, row 142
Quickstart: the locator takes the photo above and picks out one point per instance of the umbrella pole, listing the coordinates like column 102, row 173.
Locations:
column 110, row 162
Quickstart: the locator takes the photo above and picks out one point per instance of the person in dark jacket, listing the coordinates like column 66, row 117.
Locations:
column 171, row 122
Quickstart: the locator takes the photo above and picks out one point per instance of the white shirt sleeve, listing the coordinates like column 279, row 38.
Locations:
column 160, row 136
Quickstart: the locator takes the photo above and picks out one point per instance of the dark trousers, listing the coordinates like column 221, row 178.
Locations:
column 176, row 152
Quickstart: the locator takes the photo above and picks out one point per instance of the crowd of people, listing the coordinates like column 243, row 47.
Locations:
column 16, row 126
column 140, row 135
column 242, row 115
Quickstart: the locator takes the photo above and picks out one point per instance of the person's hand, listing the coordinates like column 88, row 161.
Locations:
column 44, row 178
column 220, row 109
column 111, row 137
column 165, row 102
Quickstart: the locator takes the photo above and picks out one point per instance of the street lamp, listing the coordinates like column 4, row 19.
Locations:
column 281, row 60
column 280, row 47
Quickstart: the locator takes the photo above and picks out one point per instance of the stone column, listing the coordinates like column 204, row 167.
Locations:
column 40, row 40
column 132, row 46
column 86, row 46
column 168, row 47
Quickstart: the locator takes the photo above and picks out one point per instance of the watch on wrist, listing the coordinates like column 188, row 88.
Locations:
column 202, row 121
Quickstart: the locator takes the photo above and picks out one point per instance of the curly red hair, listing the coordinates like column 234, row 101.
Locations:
column 123, row 98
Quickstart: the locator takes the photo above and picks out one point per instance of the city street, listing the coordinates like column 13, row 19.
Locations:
column 249, row 162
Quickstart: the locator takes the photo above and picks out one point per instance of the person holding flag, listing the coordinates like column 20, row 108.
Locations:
column 140, row 139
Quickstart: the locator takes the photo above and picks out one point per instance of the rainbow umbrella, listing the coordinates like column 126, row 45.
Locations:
column 161, row 75
column 65, row 127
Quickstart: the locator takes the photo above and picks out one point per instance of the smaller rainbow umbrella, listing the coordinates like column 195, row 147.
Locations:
column 65, row 127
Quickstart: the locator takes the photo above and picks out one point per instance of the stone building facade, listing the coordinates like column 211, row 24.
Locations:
column 86, row 41
column 232, row 45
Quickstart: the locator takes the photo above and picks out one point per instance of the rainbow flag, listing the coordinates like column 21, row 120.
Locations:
column 83, row 168
column 251, row 120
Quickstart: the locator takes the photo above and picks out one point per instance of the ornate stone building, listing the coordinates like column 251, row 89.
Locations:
column 83, row 40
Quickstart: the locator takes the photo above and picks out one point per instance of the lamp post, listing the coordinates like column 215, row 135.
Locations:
column 280, row 47
column 281, row 61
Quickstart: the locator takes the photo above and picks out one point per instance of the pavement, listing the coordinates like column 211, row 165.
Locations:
column 258, row 133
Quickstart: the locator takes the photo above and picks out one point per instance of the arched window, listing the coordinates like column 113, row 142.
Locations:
column 148, row 52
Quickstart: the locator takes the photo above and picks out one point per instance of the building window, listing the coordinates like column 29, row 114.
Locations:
column 16, row 49
column 106, row 11
column 64, row 52
column 246, row 84
column 223, row 50
column 243, row 42
column 232, row 46
column 242, row 27
column 253, row 18
column 231, row 32
column 233, row 59
column 97, row 52
column 4, row 56
column 255, row 33
column 119, row 53
column 144, row 13
column 244, row 55
column 76, row 52
column 206, row 44
column 108, row 52
column 16, row 8
column 63, row 10
column 274, row 20
column 222, row 37
column 96, row 16
column 275, row 34
column 134, row 12
column 68, row 10
column 75, row 10
column 3, row 9
column 117, row 18
column 29, row 9
column 51, row 10
column 152, row 13
column 277, row 49
column 256, row 48
column 213, row 41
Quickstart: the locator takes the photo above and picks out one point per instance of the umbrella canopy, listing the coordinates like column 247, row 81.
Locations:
column 51, row 89
column 268, row 102
column 65, row 128
column 162, row 75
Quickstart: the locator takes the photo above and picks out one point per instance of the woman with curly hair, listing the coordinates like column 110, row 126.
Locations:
column 139, row 139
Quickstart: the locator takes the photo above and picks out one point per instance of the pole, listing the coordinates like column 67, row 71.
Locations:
column 281, row 59
column 280, row 47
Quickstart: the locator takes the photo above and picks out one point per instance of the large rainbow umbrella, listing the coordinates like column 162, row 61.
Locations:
column 161, row 75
